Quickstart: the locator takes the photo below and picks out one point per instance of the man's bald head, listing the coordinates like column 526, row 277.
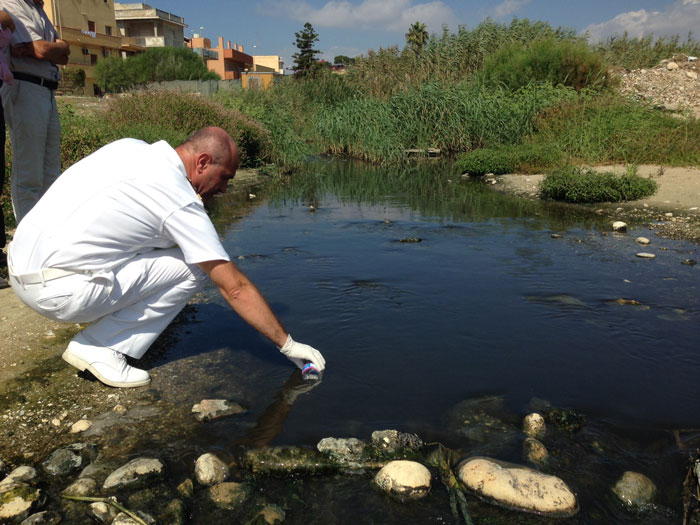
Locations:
column 214, row 141
column 210, row 157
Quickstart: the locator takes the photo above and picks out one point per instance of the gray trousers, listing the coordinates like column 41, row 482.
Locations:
column 35, row 131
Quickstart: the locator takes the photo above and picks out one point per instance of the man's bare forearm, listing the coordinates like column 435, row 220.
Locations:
column 245, row 299
column 56, row 52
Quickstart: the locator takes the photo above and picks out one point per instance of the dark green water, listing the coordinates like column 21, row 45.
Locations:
column 487, row 303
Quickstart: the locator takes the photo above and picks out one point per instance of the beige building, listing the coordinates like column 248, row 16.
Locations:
column 90, row 28
column 149, row 27
column 271, row 63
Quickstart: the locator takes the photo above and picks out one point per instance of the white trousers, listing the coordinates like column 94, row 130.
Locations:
column 128, row 307
column 35, row 132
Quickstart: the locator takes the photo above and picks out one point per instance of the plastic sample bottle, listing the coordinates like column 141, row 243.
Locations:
column 310, row 373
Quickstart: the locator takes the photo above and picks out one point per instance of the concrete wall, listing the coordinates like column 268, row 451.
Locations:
column 203, row 87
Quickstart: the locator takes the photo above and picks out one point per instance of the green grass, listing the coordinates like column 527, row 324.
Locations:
column 610, row 128
column 585, row 185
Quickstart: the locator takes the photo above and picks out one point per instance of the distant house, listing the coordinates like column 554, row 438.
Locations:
column 229, row 62
column 271, row 63
column 148, row 26
column 90, row 29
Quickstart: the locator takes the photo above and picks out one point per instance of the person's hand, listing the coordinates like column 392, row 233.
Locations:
column 300, row 354
column 22, row 50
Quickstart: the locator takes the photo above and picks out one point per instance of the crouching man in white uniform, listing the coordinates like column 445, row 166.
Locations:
column 122, row 240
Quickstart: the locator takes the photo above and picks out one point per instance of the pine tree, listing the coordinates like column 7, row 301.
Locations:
column 306, row 57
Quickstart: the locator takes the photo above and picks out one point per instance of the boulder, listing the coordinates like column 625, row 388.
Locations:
column 80, row 426
column 210, row 470
column 517, row 487
column 102, row 512
column 635, row 489
column 17, row 500
column 63, row 462
column 81, row 487
column 404, row 479
column 135, row 473
column 228, row 495
column 393, row 441
column 342, row 450
column 215, row 408
column 24, row 474
column 535, row 452
column 534, row 425
column 619, row 226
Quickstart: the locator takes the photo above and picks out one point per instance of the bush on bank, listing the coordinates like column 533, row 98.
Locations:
column 585, row 185
column 520, row 158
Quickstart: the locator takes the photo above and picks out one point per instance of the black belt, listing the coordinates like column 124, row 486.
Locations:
column 49, row 84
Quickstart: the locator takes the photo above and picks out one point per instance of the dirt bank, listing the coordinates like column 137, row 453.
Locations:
column 678, row 193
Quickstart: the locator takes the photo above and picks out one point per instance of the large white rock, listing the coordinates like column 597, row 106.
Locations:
column 407, row 479
column 635, row 489
column 136, row 472
column 210, row 470
column 517, row 487
column 619, row 226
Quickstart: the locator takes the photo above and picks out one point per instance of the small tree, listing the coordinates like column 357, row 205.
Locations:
column 343, row 59
column 306, row 57
column 417, row 37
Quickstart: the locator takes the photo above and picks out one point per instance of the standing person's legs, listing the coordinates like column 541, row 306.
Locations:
column 28, row 112
column 52, row 152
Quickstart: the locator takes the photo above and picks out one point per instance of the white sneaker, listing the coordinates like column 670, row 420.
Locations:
column 107, row 365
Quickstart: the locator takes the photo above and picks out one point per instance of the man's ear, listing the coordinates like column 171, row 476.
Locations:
column 203, row 161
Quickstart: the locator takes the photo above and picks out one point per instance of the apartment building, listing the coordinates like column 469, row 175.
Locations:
column 148, row 26
column 90, row 28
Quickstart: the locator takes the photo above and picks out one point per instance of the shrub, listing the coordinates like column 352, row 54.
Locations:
column 568, row 63
column 73, row 80
column 174, row 116
column 485, row 160
column 582, row 185
column 525, row 158
column 155, row 65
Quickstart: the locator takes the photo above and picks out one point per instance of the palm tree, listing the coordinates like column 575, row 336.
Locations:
column 417, row 37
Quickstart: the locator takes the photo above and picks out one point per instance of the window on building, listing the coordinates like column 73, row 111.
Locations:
column 91, row 26
column 93, row 59
column 108, row 30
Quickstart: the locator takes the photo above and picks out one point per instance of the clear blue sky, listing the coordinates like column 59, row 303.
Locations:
column 351, row 27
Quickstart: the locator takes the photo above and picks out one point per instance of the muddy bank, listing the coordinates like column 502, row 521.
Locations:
column 678, row 194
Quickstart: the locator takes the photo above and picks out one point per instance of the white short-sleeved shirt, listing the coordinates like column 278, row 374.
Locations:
column 129, row 197
column 31, row 24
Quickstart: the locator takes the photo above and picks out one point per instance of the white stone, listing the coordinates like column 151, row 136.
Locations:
column 210, row 470
column 691, row 74
column 23, row 473
column 136, row 472
column 619, row 226
column 103, row 512
column 646, row 255
column 208, row 409
column 80, row 426
column 671, row 66
column 669, row 214
column 635, row 489
column 642, row 240
column 81, row 487
column 534, row 425
column 403, row 478
column 518, row 487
